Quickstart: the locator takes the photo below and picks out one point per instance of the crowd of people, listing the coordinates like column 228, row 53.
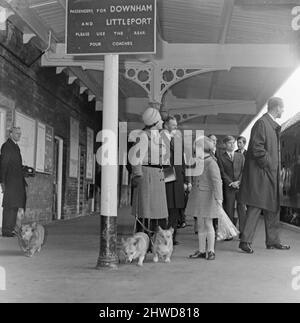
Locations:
column 243, row 183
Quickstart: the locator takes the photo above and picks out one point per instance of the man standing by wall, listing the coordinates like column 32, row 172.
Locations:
column 231, row 166
column 12, row 181
column 260, row 182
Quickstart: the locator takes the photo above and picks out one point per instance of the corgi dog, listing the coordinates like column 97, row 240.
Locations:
column 163, row 244
column 31, row 238
column 136, row 247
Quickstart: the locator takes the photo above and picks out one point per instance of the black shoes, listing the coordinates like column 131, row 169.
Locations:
column 175, row 243
column 278, row 246
column 246, row 247
column 211, row 255
column 198, row 254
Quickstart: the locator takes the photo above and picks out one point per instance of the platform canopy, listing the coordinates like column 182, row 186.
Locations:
column 217, row 61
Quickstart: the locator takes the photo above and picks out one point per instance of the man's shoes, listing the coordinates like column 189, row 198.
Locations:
column 228, row 239
column 198, row 254
column 175, row 243
column 278, row 246
column 246, row 247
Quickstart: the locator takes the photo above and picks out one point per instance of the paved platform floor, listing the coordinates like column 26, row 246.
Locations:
column 65, row 271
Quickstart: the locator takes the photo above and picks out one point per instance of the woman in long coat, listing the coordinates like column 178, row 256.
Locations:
column 205, row 201
column 149, row 202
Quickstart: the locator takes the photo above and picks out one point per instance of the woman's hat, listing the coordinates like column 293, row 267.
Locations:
column 205, row 143
column 151, row 116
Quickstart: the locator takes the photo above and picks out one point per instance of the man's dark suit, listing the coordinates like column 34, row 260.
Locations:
column 14, row 184
column 231, row 171
column 175, row 189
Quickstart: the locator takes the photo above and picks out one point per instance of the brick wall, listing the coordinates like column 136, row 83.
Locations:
column 45, row 96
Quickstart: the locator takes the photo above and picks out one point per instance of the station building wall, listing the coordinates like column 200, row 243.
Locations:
column 43, row 95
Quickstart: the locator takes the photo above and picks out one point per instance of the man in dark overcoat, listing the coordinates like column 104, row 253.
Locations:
column 12, row 181
column 174, row 189
column 231, row 166
column 259, row 188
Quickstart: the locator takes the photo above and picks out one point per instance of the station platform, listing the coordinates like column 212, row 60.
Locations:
column 64, row 271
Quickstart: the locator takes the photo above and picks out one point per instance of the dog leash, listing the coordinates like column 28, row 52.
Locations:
column 143, row 226
column 145, row 229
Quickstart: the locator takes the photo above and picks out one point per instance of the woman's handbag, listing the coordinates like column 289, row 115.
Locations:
column 169, row 174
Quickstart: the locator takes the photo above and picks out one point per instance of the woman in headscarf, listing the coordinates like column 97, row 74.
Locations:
column 149, row 197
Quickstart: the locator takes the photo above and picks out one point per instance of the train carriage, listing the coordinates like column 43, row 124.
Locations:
column 290, row 171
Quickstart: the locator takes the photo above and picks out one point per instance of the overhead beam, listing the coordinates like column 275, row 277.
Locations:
column 195, row 106
column 21, row 9
column 218, row 129
column 217, row 56
column 59, row 58
column 211, row 107
column 226, row 56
